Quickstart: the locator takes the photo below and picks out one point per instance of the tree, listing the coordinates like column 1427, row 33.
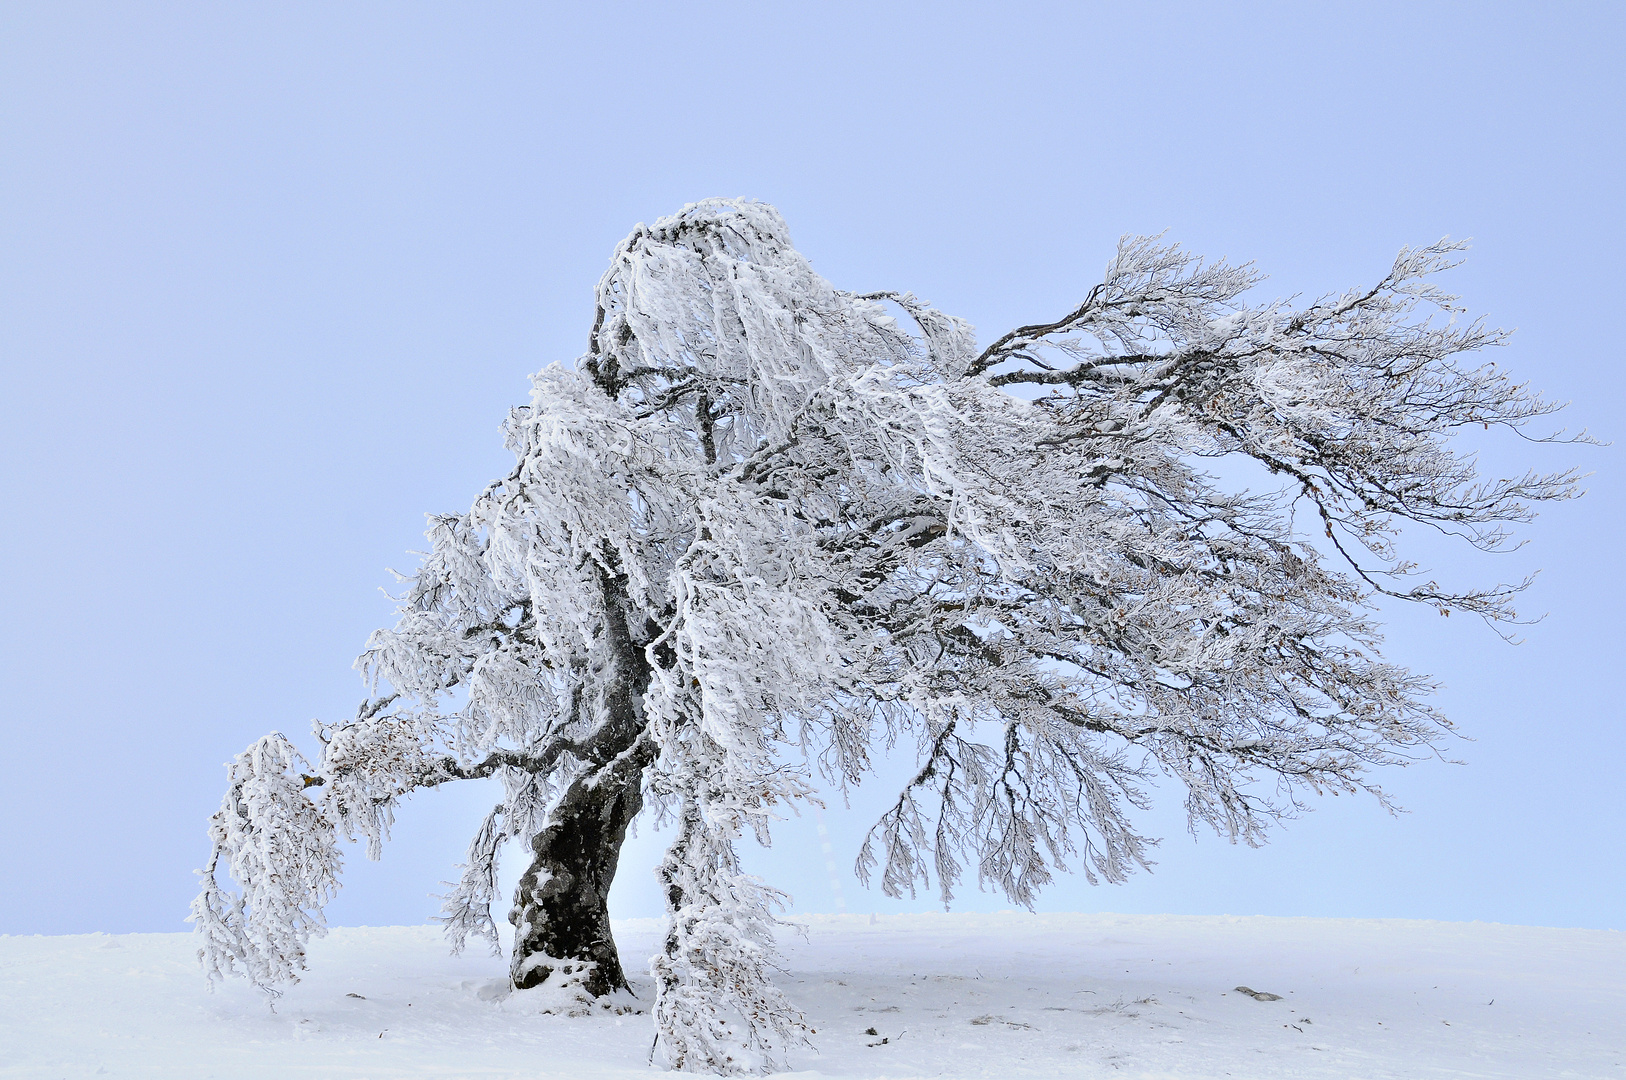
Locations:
column 763, row 527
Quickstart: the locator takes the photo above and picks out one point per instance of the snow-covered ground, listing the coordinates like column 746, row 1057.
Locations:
column 1004, row 995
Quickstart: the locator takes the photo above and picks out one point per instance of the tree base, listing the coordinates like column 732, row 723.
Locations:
column 561, row 910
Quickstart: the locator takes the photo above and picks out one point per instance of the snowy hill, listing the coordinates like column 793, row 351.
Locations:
column 1005, row 995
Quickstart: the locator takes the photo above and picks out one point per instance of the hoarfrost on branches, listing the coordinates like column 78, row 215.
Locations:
column 283, row 850
column 763, row 528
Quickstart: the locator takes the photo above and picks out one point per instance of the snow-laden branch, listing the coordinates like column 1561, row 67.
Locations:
column 282, row 851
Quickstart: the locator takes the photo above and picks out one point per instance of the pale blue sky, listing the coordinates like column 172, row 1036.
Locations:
column 270, row 276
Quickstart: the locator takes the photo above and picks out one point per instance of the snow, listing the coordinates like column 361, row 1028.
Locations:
column 961, row 995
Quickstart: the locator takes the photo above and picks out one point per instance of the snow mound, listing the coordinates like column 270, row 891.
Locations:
column 560, row 994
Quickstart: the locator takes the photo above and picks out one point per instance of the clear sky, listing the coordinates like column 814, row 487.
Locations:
column 270, row 276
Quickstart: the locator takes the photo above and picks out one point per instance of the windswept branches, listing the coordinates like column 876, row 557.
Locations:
column 767, row 526
column 1153, row 295
column 1352, row 398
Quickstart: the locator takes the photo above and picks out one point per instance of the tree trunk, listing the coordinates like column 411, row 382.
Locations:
column 561, row 908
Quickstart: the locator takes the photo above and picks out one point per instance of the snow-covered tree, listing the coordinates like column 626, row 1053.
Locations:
column 765, row 530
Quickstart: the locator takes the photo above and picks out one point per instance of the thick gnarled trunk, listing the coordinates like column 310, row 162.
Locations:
column 561, row 907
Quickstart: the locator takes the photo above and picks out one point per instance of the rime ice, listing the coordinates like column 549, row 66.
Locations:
column 766, row 528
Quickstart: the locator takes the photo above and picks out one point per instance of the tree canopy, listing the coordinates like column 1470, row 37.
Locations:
column 765, row 530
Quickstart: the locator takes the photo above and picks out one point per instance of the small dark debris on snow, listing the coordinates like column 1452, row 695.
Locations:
column 871, row 1031
column 1258, row 995
column 358, row 997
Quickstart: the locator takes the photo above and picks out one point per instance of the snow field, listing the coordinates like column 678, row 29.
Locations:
column 962, row 995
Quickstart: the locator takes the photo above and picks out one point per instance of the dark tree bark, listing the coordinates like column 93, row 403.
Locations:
column 561, row 907
column 561, row 910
